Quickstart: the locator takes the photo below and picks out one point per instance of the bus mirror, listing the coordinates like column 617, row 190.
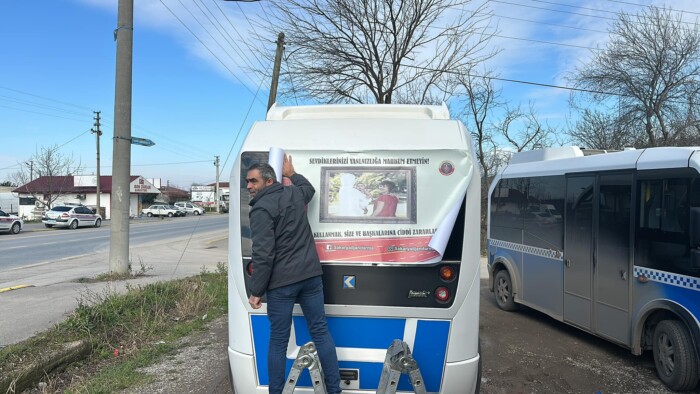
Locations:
column 695, row 227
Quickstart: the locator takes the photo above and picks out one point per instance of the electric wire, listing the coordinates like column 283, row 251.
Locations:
column 38, row 105
column 45, row 98
column 572, row 12
column 550, row 24
column 210, row 35
column 242, row 56
column 210, row 51
column 238, row 33
column 546, row 42
column 230, row 41
column 650, row 6
column 42, row 113
column 250, row 107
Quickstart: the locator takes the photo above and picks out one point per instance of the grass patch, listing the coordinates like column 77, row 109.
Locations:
column 125, row 332
column 114, row 276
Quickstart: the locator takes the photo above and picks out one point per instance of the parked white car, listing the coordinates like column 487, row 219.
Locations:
column 190, row 208
column 160, row 210
column 71, row 216
column 11, row 223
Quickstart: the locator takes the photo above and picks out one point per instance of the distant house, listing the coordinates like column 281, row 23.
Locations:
column 9, row 202
column 172, row 194
column 206, row 194
column 223, row 187
column 36, row 196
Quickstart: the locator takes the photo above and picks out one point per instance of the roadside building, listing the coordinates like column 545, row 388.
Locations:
column 9, row 202
column 44, row 192
column 171, row 194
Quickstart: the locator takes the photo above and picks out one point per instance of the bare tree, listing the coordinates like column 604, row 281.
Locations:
column 51, row 169
column 523, row 130
column 375, row 51
column 602, row 130
column 652, row 63
column 481, row 100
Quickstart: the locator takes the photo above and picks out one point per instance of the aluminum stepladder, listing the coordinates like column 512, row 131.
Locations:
column 399, row 361
column 307, row 358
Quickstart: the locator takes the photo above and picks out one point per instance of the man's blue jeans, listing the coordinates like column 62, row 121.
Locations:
column 280, row 303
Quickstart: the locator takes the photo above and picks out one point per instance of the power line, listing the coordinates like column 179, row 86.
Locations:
column 35, row 104
column 576, row 13
column 231, row 41
column 649, row 6
column 545, row 42
column 547, row 85
column 46, row 98
column 550, row 24
column 210, row 51
column 549, row 9
column 209, row 33
column 42, row 113
column 73, row 139
column 241, row 128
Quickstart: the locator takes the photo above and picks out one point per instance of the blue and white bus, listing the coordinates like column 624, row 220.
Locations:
column 406, row 269
column 606, row 242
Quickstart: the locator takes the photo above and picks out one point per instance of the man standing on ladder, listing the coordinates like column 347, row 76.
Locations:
column 286, row 267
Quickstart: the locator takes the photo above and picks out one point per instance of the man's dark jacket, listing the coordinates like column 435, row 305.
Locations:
column 284, row 251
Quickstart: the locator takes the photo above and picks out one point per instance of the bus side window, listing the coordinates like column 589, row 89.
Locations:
column 662, row 237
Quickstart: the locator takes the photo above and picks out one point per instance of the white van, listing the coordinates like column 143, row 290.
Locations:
column 190, row 208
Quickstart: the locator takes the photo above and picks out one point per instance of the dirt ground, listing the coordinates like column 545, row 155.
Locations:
column 523, row 352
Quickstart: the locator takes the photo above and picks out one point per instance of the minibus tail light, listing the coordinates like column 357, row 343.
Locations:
column 442, row 294
column 447, row 273
column 249, row 268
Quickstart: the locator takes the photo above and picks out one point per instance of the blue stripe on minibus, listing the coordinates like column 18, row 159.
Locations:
column 357, row 332
column 429, row 347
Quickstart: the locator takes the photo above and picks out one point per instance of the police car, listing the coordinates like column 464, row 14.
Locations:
column 71, row 217
column 11, row 223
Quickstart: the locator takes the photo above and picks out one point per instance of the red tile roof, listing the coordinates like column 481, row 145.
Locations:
column 65, row 184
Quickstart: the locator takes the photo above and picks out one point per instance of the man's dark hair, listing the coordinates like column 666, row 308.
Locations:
column 389, row 185
column 266, row 171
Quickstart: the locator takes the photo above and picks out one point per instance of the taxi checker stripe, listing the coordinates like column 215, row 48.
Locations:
column 687, row 282
column 548, row 253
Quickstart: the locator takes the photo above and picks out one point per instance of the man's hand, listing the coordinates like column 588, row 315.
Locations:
column 254, row 302
column 287, row 166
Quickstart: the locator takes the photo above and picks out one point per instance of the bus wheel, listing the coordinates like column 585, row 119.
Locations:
column 674, row 357
column 504, row 291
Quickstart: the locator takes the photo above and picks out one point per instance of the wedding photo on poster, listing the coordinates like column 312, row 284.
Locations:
column 368, row 195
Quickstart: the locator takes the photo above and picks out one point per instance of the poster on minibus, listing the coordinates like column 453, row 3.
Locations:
column 387, row 207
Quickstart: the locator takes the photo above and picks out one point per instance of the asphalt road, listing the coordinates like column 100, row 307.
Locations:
column 44, row 287
column 36, row 244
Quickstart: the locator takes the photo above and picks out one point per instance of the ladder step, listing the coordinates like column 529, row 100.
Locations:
column 307, row 358
column 399, row 361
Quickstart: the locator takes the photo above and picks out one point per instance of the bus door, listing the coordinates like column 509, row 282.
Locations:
column 597, row 254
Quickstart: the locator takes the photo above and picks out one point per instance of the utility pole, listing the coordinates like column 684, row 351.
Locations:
column 121, row 157
column 216, row 191
column 31, row 170
column 98, row 133
column 276, row 71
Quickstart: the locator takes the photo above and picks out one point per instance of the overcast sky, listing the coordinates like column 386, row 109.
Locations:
column 191, row 95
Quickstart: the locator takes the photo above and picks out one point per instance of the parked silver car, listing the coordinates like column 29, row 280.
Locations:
column 190, row 208
column 11, row 223
column 71, row 216
column 160, row 210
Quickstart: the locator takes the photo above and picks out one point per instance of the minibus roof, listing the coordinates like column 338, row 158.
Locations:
column 564, row 160
column 358, row 128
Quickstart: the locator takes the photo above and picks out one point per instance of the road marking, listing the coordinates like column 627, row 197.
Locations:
column 15, row 288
